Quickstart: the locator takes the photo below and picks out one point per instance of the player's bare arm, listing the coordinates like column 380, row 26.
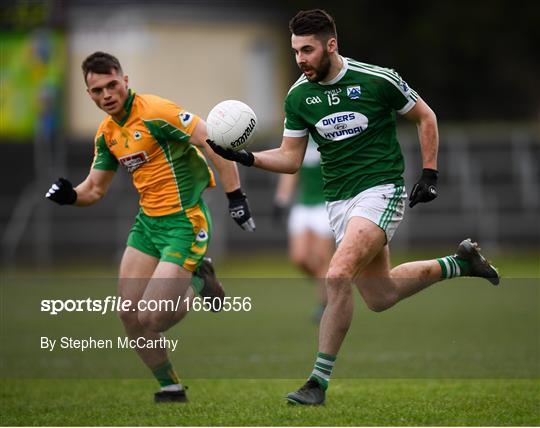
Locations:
column 426, row 122
column 425, row 189
column 94, row 187
column 91, row 190
column 286, row 159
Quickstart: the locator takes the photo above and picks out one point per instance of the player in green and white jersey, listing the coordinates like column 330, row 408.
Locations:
column 311, row 243
column 349, row 108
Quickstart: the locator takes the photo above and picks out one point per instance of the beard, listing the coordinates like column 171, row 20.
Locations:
column 322, row 70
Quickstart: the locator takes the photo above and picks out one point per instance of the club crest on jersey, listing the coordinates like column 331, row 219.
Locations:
column 354, row 92
column 342, row 125
column 137, row 135
column 201, row 236
column 133, row 161
column 185, row 118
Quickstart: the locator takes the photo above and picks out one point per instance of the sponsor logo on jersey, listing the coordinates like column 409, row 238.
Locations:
column 185, row 118
column 137, row 135
column 202, row 235
column 133, row 161
column 354, row 92
column 247, row 132
column 335, row 91
column 342, row 125
column 313, row 100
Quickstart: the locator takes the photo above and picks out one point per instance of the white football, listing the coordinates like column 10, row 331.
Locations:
column 231, row 124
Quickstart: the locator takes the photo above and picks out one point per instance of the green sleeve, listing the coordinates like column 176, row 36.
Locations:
column 293, row 121
column 395, row 92
column 164, row 131
column 103, row 158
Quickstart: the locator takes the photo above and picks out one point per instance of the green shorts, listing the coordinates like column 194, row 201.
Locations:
column 181, row 238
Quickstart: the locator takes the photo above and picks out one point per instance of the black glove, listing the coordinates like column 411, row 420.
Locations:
column 239, row 210
column 279, row 212
column 425, row 189
column 241, row 156
column 62, row 192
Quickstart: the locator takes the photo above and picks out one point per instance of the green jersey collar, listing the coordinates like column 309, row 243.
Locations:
column 341, row 73
column 127, row 107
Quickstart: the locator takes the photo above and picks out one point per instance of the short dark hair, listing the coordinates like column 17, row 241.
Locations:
column 100, row 63
column 315, row 21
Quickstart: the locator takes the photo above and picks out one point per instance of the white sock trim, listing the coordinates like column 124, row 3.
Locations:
column 448, row 268
column 457, row 270
column 327, row 362
column 173, row 387
column 321, row 374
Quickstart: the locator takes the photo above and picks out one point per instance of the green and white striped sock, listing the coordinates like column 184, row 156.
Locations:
column 453, row 267
column 324, row 364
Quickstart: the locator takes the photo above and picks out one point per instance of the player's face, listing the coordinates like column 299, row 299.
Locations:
column 312, row 56
column 108, row 91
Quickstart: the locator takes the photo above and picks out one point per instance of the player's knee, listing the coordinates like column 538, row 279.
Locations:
column 128, row 317
column 338, row 281
column 155, row 321
column 339, row 275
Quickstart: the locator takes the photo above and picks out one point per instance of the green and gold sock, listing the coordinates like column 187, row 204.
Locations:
column 165, row 375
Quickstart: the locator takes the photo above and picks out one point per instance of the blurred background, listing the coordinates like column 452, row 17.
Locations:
column 475, row 62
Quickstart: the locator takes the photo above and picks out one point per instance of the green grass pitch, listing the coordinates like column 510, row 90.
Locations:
column 460, row 353
column 259, row 403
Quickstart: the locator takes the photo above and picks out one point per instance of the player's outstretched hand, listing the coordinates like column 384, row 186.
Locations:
column 241, row 156
column 62, row 192
column 425, row 189
column 239, row 210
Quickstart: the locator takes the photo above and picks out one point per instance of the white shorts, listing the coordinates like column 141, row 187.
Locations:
column 312, row 218
column 384, row 205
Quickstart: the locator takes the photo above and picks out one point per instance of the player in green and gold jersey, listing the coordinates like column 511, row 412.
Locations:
column 159, row 143
column 349, row 108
